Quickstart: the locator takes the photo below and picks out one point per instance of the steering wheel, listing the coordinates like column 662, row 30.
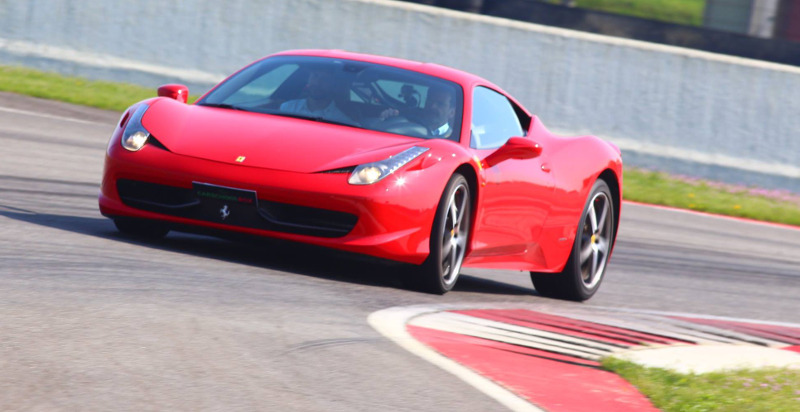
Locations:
column 401, row 125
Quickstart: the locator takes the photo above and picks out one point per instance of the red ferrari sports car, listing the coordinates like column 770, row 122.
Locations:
column 406, row 161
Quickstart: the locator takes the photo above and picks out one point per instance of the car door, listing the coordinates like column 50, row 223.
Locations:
column 514, row 200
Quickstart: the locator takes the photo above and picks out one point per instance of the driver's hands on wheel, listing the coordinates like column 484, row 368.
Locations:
column 389, row 113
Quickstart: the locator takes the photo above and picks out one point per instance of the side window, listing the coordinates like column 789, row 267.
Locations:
column 494, row 119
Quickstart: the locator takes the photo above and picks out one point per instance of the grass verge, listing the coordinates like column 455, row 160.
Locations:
column 764, row 390
column 686, row 12
column 640, row 185
column 103, row 95
column 688, row 193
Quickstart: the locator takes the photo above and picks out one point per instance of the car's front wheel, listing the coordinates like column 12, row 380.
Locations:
column 448, row 241
column 586, row 265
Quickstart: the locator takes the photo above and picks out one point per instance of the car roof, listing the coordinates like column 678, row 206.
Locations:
column 432, row 69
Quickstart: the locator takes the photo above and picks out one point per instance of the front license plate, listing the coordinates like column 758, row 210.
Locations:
column 227, row 205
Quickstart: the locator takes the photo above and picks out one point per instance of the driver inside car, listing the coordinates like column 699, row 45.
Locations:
column 437, row 115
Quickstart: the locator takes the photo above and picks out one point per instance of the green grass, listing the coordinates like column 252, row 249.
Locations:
column 767, row 390
column 641, row 186
column 685, row 193
column 104, row 95
column 687, row 12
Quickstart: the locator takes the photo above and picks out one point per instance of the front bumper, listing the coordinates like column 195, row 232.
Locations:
column 391, row 219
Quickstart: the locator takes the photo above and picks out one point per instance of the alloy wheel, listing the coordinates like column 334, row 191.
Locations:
column 595, row 240
column 454, row 234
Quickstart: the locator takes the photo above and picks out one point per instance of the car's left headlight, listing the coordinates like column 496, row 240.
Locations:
column 135, row 135
column 370, row 173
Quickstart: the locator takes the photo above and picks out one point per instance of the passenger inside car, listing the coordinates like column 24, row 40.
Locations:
column 319, row 102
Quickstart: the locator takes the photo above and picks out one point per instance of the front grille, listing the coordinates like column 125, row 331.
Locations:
column 267, row 215
column 155, row 197
column 302, row 218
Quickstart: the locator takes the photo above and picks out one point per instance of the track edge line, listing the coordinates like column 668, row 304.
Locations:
column 391, row 323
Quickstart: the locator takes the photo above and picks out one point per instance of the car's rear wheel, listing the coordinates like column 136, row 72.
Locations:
column 141, row 228
column 586, row 265
column 448, row 241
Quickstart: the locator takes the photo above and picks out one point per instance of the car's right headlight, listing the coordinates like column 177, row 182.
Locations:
column 135, row 135
column 369, row 173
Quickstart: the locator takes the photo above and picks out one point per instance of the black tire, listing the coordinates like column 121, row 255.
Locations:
column 141, row 228
column 448, row 240
column 586, row 265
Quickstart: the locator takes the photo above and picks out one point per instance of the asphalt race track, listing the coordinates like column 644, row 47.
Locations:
column 93, row 320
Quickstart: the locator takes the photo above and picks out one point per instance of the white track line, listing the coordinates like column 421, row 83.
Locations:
column 48, row 116
column 391, row 323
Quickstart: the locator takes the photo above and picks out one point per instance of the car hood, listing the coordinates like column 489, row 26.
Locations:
column 266, row 141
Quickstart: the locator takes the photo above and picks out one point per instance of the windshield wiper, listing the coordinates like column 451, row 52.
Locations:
column 222, row 106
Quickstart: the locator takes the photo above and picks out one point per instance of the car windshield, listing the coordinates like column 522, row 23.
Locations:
column 347, row 92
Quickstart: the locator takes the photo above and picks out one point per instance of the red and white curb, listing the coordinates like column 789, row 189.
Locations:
column 392, row 323
column 541, row 357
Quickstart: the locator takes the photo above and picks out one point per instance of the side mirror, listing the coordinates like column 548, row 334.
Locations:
column 178, row 92
column 515, row 148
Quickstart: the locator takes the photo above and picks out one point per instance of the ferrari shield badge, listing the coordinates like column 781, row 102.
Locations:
column 240, row 159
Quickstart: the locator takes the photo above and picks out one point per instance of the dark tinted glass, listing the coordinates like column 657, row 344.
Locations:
column 348, row 92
